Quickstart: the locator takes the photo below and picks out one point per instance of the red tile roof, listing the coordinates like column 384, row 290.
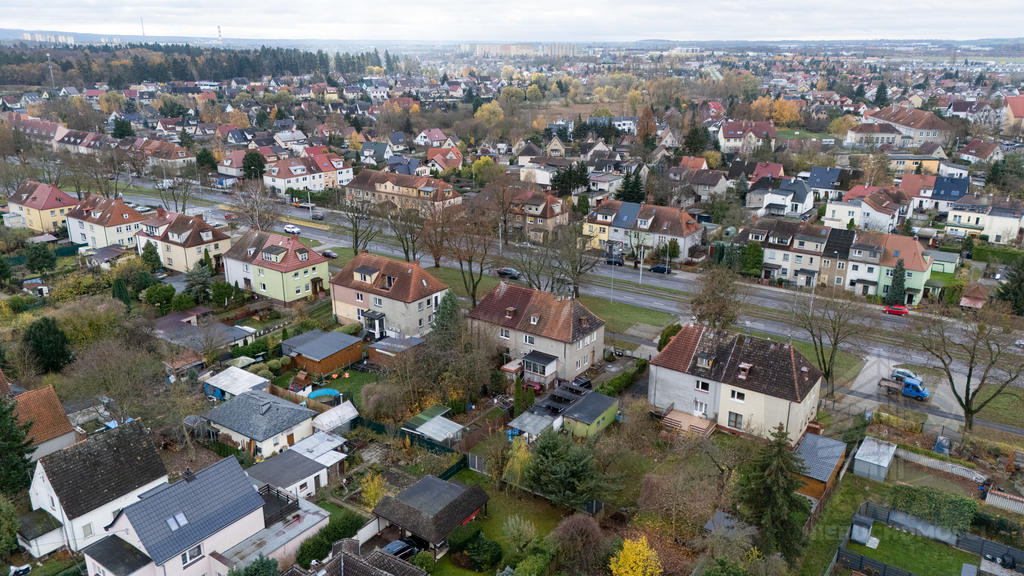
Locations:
column 42, row 197
column 290, row 260
column 105, row 212
column 410, row 281
column 43, row 409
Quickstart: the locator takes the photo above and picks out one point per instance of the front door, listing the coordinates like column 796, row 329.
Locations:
column 864, row 290
column 291, row 439
column 316, row 483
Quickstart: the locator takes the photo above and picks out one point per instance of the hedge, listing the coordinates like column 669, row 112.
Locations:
column 1000, row 254
column 616, row 385
column 258, row 346
column 460, row 537
column 352, row 329
column 945, row 510
column 319, row 545
column 484, row 553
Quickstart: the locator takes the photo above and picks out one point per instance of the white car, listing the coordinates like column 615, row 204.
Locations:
column 901, row 374
column 292, row 229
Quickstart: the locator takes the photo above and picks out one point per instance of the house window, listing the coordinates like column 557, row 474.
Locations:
column 170, row 261
column 53, row 504
column 702, row 386
column 528, row 339
column 191, row 555
column 378, row 302
column 785, row 256
column 799, row 259
column 738, row 396
column 297, row 291
column 855, row 267
column 303, row 486
column 263, row 287
column 359, row 297
column 87, row 530
column 259, row 271
column 841, row 265
column 871, row 269
column 839, row 280
column 578, row 364
column 295, row 276
column 826, row 263
column 735, row 420
column 419, row 306
column 888, row 273
column 307, row 287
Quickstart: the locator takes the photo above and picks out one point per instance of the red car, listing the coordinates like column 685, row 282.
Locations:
column 537, row 387
column 229, row 216
column 897, row 309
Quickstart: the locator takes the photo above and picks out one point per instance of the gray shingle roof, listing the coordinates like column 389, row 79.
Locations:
column 258, row 415
column 431, row 508
column 820, row 456
column 285, row 469
column 590, row 407
column 217, row 496
column 117, row 556
column 317, row 345
column 109, row 465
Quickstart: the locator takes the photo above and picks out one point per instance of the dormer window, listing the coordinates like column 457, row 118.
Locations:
column 534, row 320
column 390, row 282
column 303, row 256
column 704, row 360
column 509, row 312
column 250, row 251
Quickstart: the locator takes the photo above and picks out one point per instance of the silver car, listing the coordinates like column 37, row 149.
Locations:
column 901, row 374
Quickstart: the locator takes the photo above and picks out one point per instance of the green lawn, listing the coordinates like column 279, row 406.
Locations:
column 620, row 317
column 310, row 242
column 835, row 520
column 914, row 553
column 350, row 387
column 789, row 134
column 945, row 277
column 1005, row 408
column 537, row 510
column 337, row 513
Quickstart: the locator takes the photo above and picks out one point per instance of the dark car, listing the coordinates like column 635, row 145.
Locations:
column 661, row 269
column 583, row 382
column 404, row 548
column 614, row 260
column 330, row 254
column 509, row 273
column 317, row 216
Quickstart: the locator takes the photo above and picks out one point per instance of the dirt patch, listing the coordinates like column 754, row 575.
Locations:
column 178, row 458
column 674, row 556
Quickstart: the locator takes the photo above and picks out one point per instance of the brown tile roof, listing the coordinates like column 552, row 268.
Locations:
column 912, row 184
column 1016, row 105
column 558, row 318
column 777, row 369
column 693, row 163
column 181, row 224
column 979, row 148
column 907, row 249
column 41, row 197
column 411, row 282
column 370, row 179
column 289, row 260
column 882, row 128
column 911, row 118
column 105, row 212
column 42, row 408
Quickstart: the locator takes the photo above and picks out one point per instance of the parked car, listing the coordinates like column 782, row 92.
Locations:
column 317, row 216
column 614, row 260
column 229, row 216
column 661, row 269
column 404, row 548
column 901, row 374
column 330, row 254
column 537, row 387
column 292, row 229
column 509, row 273
column 897, row 309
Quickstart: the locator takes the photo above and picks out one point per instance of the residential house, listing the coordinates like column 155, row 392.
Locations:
column 918, row 188
column 835, row 256
column 231, row 165
column 37, row 206
column 209, row 522
column 319, row 352
column 656, row 227
column 556, row 336
column 978, row 150
column 432, row 137
column 84, row 486
column 598, row 223
column 375, row 153
column 527, row 153
column 101, row 222
column 905, row 163
column 389, row 297
column 294, row 174
column 278, row 267
column 869, row 135
column 918, row 126
column 708, row 184
column 997, row 219
column 864, row 264
column 744, row 137
column 868, row 208
column 767, row 170
column 792, row 250
column 770, row 196
column 398, row 141
column 537, row 215
column 260, row 423
column 1013, row 121
column 336, row 171
column 442, row 159
column 916, row 263
column 182, row 240
column 947, row 191
column 393, row 190
column 588, row 415
column 556, row 148
column 50, row 430
column 292, row 472
column 742, row 384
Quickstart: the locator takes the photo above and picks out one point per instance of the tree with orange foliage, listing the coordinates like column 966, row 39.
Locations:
column 239, row 119
column 646, row 127
column 785, row 112
column 762, row 108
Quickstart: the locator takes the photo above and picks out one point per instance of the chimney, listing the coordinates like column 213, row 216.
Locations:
column 744, row 370
column 188, row 475
column 160, row 212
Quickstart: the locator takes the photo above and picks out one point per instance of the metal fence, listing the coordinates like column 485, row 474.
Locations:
column 984, row 547
column 868, row 566
column 415, row 439
column 454, row 469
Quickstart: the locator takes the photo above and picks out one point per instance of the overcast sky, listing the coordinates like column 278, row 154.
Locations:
column 528, row 20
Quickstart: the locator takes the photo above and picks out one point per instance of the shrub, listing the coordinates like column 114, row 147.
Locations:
column 315, row 548
column 425, row 560
column 258, row 346
column 343, row 527
column 667, row 334
column 257, row 367
column 535, row 565
column 285, row 361
column 265, row 374
column 462, row 536
column 457, row 406
column 484, row 553
column 274, row 366
column 616, row 385
column 18, row 303
column 945, row 510
column 352, row 329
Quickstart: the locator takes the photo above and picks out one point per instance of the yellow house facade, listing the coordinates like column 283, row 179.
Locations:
column 40, row 207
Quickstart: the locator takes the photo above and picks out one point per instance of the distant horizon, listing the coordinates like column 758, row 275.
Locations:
column 530, row 21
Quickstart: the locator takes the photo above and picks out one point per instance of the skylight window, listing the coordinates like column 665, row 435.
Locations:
column 172, row 524
column 177, row 521
column 180, row 517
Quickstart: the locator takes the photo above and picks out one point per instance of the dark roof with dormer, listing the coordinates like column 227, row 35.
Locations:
column 557, row 317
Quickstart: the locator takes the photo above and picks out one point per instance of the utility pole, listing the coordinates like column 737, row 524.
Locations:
column 53, row 85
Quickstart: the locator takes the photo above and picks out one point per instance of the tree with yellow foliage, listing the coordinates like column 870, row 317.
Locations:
column 635, row 98
column 111, row 102
column 539, row 79
column 840, row 126
column 785, row 112
column 636, row 558
column 372, row 486
column 762, row 107
column 534, row 94
column 354, row 142
column 490, row 113
column 239, row 119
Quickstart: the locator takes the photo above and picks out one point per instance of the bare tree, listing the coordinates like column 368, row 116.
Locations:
column 123, row 373
column 537, row 265
column 53, row 166
column 182, row 400
column 718, row 302
column 13, row 175
column 571, row 258
column 406, row 225
column 501, row 196
column 437, row 226
column 256, row 207
column 471, row 244
column 111, row 171
column 833, row 319
column 361, row 221
column 976, row 353
column 179, row 188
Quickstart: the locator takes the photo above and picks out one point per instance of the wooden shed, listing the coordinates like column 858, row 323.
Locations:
column 822, row 458
column 322, row 352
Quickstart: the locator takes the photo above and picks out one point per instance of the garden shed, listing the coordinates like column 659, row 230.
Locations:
column 822, row 457
column 873, row 459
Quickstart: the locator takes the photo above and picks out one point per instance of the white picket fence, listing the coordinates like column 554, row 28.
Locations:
column 1005, row 501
